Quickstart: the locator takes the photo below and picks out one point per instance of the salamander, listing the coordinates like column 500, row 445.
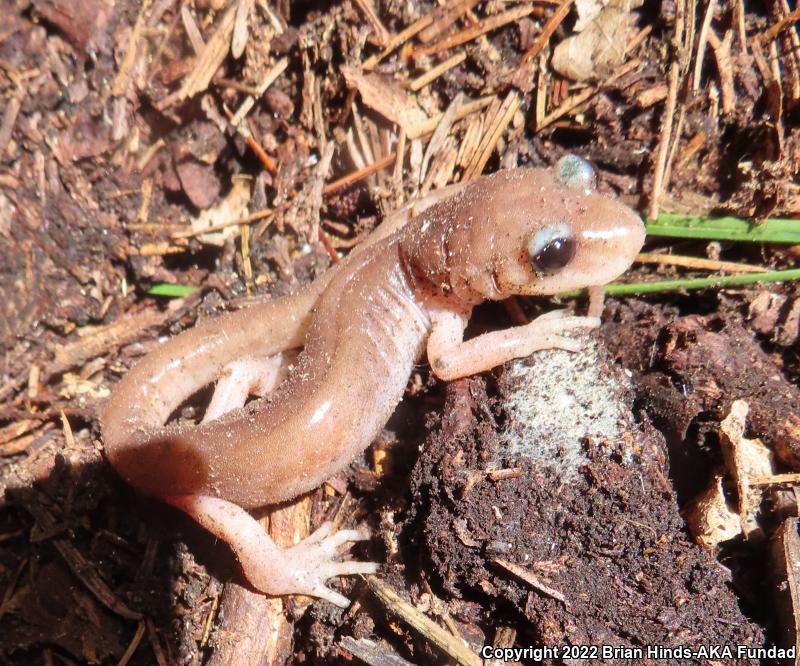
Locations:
column 359, row 329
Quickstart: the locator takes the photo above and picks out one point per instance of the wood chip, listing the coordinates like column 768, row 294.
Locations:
column 722, row 55
column 788, row 20
column 785, row 585
column 9, row 119
column 547, row 32
column 441, row 132
column 466, row 109
column 451, row 645
column 651, row 96
column 123, row 76
column 446, row 16
column 350, row 179
column 207, row 63
column 527, row 576
column 701, row 45
column 789, row 478
column 269, row 78
column 147, row 195
column 399, row 39
column 17, row 429
column 381, row 33
column 442, row 167
column 100, row 340
column 240, row 24
column 160, row 249
column 372, row 653
column 470, row 140
column 435, row 72
column 669, row 132
column 508, row 473
column 574, row 102
column 504, row 637
column 21, row 444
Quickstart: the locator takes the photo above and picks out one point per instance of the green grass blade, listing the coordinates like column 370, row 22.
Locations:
column 773, row 230
column 702, row 283
column 171, row 290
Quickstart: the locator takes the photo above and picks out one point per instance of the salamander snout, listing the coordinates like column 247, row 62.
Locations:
column 573, row 236
column 596, row 246
column 525, row 232
column 596, row 243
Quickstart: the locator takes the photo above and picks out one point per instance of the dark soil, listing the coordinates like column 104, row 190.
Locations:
column 610, row 542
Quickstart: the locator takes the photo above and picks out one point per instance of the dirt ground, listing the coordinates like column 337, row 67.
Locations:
column 164, row 161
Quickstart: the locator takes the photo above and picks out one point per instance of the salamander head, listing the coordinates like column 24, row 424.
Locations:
column 526, row 231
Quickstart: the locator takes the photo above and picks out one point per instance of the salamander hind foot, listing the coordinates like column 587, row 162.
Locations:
column 313, row 562
column 300, row 569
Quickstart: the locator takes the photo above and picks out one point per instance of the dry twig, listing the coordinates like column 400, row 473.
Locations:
column 547, row 31
column 472, row 32
column 698, row 263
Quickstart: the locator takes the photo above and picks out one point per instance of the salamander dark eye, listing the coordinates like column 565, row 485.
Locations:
column 551, row 249
column 576, row 173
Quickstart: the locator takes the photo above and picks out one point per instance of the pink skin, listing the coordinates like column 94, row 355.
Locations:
column 362, row 327
column 245, row 377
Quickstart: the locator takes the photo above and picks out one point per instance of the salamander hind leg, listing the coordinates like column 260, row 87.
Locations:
column 301, row 569
column 245, row 377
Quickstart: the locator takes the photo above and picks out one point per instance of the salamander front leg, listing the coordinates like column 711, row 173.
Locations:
column 301, row 569
column 451, row 357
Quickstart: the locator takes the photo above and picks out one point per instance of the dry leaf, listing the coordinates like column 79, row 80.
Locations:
column 599, row 49
column 587, row 12
column 710, row 518
column 232, row 207
column 387, row 98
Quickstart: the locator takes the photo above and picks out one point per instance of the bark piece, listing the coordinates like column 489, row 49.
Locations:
column 719, row 362
column 199, row 182
column 785, row 554
column 79, row 21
